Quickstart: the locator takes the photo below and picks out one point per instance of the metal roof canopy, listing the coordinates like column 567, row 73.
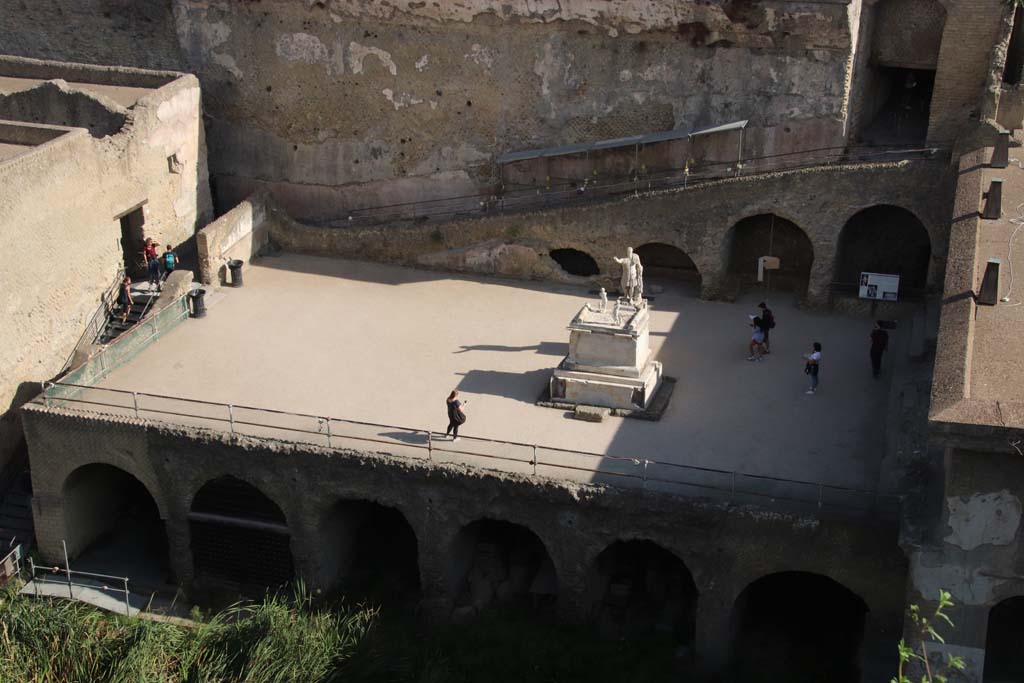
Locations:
column 616, row 143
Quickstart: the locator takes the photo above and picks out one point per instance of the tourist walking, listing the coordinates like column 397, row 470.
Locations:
column 170, row 260
column 150, row 250
column 456, row 414
column 756, row 340
column 879, row 343
column 767, row 323
column 153, row 264
column 124, row 298
column 812, row 366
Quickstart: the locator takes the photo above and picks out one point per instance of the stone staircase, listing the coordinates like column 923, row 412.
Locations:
column 143, row 301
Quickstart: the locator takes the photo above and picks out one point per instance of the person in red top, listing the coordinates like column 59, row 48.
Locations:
column 150, row 250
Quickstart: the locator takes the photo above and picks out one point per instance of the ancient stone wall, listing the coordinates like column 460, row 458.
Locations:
column 329, row 95
column 62, row 202
column 697, row 220
column 725, row 547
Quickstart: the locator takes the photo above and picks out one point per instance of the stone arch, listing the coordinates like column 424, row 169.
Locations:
column 575, row 262
column 239, row 537
column 769, row 234
column 113, row 525
column 884, row 239
column 636, row 587
column 1004, row 660
column 368, row 549
column 494, row 561
column 667, row 261
column 777, row 633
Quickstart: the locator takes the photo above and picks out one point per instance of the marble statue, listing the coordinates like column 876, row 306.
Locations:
column 604, row 303
column 632, row 281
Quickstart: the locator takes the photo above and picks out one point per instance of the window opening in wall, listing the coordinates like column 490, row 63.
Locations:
column 575, row 262
column 1004, row 658
column 797, row 626
column 1015, row 52
column 240, row 538
column 900, row 100
column 369, row 551
column 113, row 527
column 495, row 562
column 637, row 588
column 133, row 241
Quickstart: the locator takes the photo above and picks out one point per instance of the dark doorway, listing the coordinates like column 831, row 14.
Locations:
column 369, row 550
column 797, row 627
column 113, row 526
column 240, row 538
column 496, row 562
column 901, row 101
column 637, row 588
column 575, row 262
column 1015, row 51
column 884, row 239
column 666, row 262
column 1004, row 658
column 133, row 242
column 770, row 235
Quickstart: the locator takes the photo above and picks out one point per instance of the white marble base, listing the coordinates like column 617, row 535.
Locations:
column 606, row 390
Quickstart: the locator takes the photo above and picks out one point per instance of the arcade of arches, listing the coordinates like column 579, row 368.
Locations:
column 770, row 235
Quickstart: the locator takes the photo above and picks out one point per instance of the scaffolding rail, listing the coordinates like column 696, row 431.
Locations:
column 529, row 459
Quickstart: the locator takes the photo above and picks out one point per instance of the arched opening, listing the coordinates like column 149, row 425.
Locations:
column 769, row 235
column 369, row 550
column 575, row 262
column 1004, row 660
column 884, row 239
column 896, row 83
column 666, row 262
column 797, row 626
column 240, row 538
column 637, row 588
column 113, row 526
column 496, row 562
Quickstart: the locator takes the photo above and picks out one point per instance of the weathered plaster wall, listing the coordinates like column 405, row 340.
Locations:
column 697, row 220
column 725, row 547
column 333, row 95
column 60, row 206
column 238, row 234
column 58, row 253
column 977, row 549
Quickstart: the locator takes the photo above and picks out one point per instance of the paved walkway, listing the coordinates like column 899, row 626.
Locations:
column 386, row 344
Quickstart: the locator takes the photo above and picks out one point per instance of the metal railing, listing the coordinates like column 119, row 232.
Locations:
column 40, row 575
column 98, row 322
column 569, row 192
column 530, row 459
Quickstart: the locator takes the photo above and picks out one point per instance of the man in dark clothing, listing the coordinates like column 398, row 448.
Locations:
column 767, row 323
column 879, row 343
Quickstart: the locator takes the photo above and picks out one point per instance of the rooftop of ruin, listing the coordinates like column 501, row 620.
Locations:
column 385, row 344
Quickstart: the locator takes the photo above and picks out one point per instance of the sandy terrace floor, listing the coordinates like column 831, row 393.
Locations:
column 386, row 344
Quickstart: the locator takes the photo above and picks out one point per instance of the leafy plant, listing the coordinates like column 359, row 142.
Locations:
column 927, row 630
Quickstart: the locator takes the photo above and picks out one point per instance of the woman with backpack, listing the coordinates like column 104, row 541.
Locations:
column 767, row 323
column 456, row 414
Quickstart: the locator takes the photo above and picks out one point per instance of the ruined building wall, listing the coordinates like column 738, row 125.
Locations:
column 344, row 99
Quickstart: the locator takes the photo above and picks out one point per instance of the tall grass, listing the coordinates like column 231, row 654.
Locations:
column 275, row 641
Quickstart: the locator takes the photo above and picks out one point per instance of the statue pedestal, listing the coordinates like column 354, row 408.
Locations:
column 609, row 362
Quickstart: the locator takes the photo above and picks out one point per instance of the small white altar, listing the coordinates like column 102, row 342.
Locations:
column 609, row 362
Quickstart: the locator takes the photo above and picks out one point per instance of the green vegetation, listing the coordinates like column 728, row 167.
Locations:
column 285, row 641
column 926, row 628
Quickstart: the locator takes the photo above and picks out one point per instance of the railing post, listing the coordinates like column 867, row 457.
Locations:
column 231, row 417
column 535, row 460
column 328, row 421
column 820, row 491
column 430, row 446
column 32, row 568
column 67, row 567
column 46, row 395
column 135, row 402
column 127, row 605
column 645, row 469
